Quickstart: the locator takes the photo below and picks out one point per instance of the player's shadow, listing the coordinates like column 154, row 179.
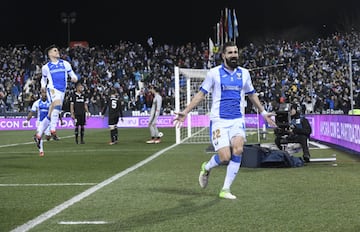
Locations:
column 184, row 208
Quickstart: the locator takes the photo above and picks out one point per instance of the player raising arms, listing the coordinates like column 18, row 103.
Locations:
column 55, row 74
column 228, row 84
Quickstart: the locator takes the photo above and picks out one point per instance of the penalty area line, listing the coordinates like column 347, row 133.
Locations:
column 82, row 223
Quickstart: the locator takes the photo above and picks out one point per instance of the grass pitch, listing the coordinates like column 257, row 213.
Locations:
column 133, row 186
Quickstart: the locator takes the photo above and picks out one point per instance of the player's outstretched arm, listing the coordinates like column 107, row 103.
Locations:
column 180, row 116
column 179, row 119
column 266, row 115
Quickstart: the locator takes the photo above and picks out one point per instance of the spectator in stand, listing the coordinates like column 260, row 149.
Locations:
column 272, row 62
column 2, row 103
column 126, row 101
column 308, row 105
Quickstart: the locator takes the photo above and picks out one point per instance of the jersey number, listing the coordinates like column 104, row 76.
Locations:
column 113, row 104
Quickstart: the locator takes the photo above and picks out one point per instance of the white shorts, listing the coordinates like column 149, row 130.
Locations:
column 54, row 94
column 47, row 130
column 222, row 131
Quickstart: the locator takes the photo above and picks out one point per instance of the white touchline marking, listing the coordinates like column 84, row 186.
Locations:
column 73, row 150
column 64, row 137
column 17, row 144
column 82, row 222
column 43, row 217
column 50, row 184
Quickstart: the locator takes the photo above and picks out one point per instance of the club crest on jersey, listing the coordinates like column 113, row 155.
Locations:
column 239, row 75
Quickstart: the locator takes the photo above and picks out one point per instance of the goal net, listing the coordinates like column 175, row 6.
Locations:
column 195, row 129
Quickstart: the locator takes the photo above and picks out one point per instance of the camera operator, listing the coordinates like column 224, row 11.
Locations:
column 298, row 131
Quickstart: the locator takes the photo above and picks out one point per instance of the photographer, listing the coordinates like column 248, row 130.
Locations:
column 297, row 131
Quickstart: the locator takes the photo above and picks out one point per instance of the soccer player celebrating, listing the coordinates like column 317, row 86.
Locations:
column 228, row 83
column 79, row 110
column 41, row 106
column 55, row 74
column 113, row 103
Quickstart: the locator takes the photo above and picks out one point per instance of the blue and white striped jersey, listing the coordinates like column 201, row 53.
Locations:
column 54, row 75
column 41, row 107
column 228, row 91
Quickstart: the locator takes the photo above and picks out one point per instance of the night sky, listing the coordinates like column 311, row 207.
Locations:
column 175, row 22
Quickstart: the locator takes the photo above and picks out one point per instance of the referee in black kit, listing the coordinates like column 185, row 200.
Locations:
column 79, row 110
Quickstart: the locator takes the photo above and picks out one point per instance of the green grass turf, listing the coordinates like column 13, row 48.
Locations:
column 163, row 194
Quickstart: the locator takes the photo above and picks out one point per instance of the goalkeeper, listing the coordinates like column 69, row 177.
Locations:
column 154, row 114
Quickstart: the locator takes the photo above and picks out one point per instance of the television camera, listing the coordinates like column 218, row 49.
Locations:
column 283, row 119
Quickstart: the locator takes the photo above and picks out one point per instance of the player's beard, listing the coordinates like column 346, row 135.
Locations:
column 232, row 62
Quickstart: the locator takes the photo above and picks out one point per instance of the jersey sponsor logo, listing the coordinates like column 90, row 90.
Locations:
column 231, row 87
column 57, row 71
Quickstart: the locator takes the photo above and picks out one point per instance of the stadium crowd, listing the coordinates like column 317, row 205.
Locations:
column 313, row 73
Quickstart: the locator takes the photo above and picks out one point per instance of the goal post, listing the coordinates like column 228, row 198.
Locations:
column 195, row 128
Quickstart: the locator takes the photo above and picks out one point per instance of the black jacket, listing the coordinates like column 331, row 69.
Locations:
column 300, row 125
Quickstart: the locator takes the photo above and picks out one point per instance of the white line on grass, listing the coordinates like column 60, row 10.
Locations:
column 50, row 184
column 58, row 151
column 17, row 144
column 83, row 223
column 43, row 217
